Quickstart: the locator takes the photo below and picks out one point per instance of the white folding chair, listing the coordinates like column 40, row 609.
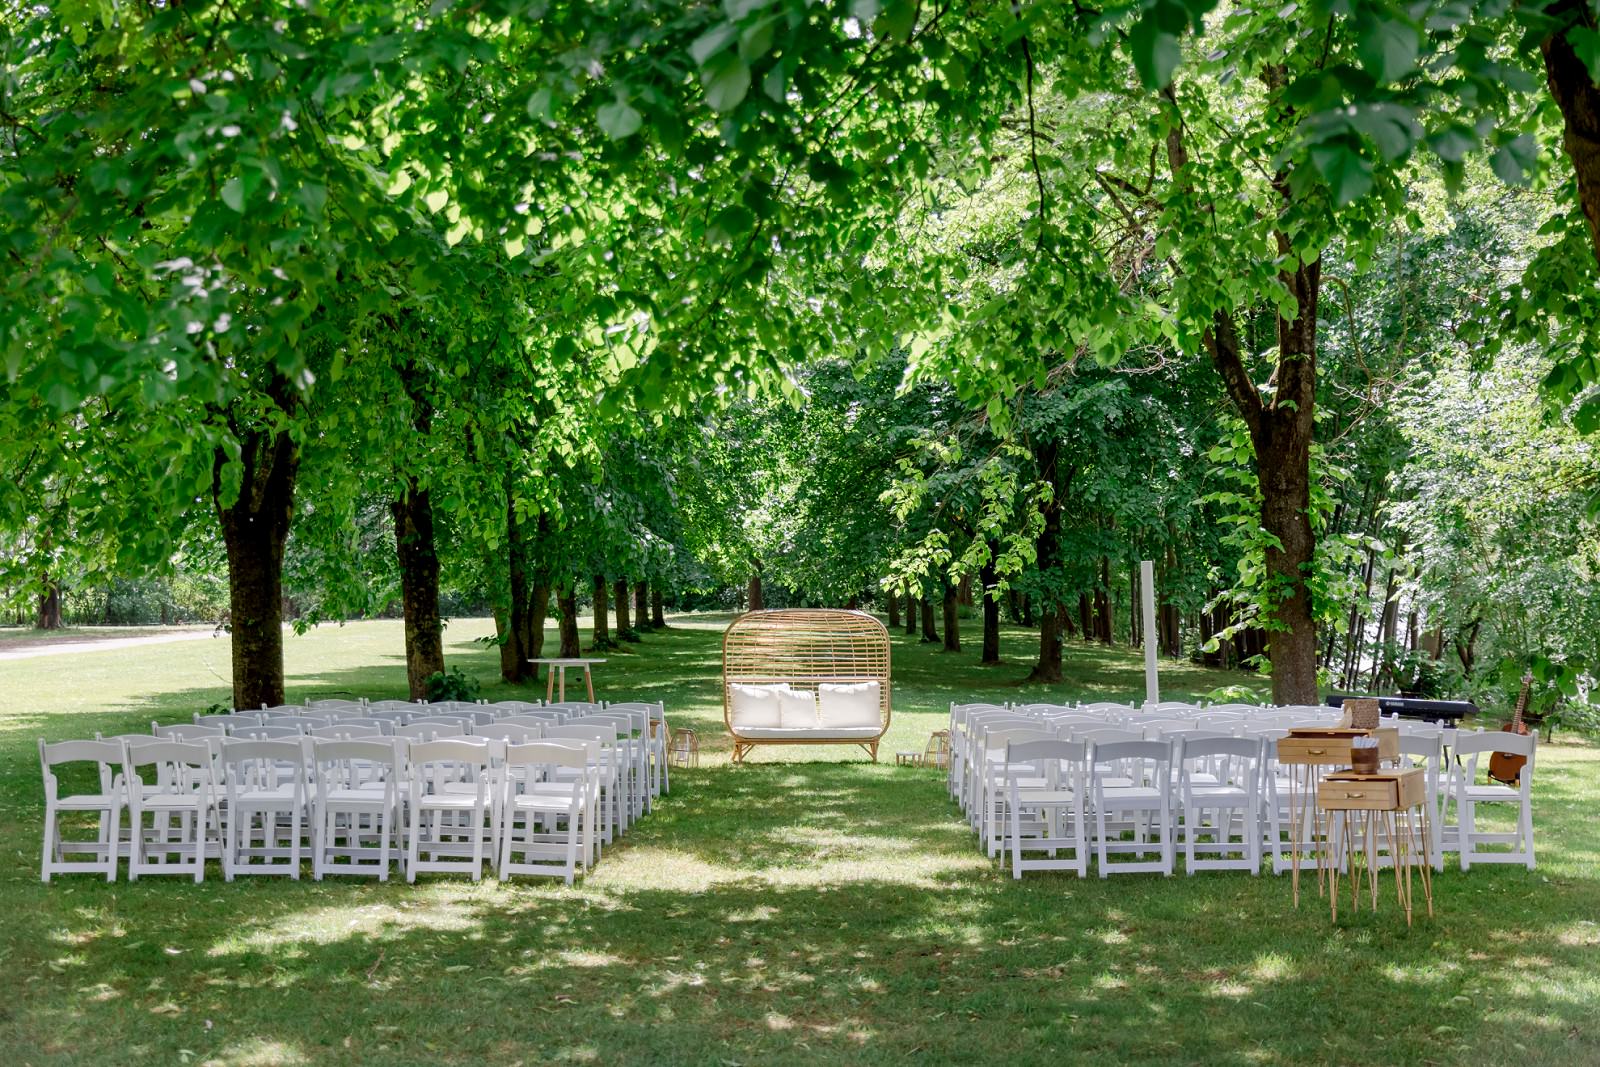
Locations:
column 1423, row 749
column 172, row 782
column 1044, row 782
column 106, row 805
column 1222, row 776
column 356, row 802
column 451, row 827
column 186, row 731
column 1469, row 795
column 1147, row 768
column 265, row 793
column 351, row 731
column 553, row 797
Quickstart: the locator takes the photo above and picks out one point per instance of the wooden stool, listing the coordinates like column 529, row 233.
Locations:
column 1375, row 808
column 685, row 748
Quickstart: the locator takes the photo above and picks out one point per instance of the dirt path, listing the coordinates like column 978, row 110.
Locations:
column 28, row 647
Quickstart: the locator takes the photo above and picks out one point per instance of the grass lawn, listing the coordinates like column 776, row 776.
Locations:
column 808, row 907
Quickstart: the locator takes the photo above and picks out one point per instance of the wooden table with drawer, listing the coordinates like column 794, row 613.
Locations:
column 1374, row 808
column 1306, row 752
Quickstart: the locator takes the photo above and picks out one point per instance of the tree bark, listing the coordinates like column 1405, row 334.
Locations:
column 48, row 617
column 952, row 622
column 641, row 605
column 532, row 640
column 892, row 604
column 619, row 596
column 567, row 623
column 911, row 615
column 510, row 624
column 989, row 578
column 753, row 591
column 602, row 624
column 1281, row 430
column 1047, row 553
column 1102, row 603
column 255, row 528
column 1086, row 616
column 658, row 614
column 929, row 634
column 1578, row 98
column 419, row 587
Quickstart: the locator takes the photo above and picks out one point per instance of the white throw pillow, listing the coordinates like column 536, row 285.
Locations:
column 797, row 708
column 753, row 705
column 855, row 704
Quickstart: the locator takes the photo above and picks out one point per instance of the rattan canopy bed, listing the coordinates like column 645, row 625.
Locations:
column 811, row 676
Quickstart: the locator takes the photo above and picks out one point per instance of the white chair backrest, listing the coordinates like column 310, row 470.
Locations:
column 345, row 731
column 180, row 766
column 346, row 764
column 510, row 732
column 332, row 704
column 303, row 722
column 1043, row 709
column 393, row 705
column 105, row 755
column 1102, row 706
column 553, row 754
column 424, row 732
column 186, row 731
column 268, row 732
column 1104, row 735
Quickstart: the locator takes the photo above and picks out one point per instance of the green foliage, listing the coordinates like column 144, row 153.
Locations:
column 453, row 684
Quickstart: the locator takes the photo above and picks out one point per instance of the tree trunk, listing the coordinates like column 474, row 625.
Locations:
column 658, row 614
column 952, row 622
column 255, row 527
column 1047, row 551
column 509, row 624
column 753, row 593
column 619, row 596
column 1028, row 618
column 1086, row 616
column 567, row 623
column 1102, row 603
column 48, row 616
column 964, row 591
column 641, row 606
column 1281, row 428
column 929, row 634
column 1048, row 669
column 990, row 579
column 1578, row 98
column 892, row 605
column 602, row 624
column 911, row 615
column 533, row 632
column 419, row 587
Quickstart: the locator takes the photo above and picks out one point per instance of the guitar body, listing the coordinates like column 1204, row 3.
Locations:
column 1506, row 767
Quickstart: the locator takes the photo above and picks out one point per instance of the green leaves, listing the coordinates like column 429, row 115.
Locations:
column 1585, row 43
column 1347, row 172
column 233, row 193
column 1515, row 160
column 619, row 119
column 1387, row 43
column 726, row 81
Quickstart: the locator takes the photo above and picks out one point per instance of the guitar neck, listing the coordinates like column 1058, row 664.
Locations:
column 1522, row 703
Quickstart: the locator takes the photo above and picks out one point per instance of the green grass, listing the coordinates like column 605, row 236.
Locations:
column 787, row 911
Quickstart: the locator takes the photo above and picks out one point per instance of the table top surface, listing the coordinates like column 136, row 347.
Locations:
column 559, row 662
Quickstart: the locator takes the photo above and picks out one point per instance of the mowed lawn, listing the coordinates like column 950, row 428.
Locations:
column 808, row 907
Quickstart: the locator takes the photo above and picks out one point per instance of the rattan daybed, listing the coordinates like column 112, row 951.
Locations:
column 775, row 662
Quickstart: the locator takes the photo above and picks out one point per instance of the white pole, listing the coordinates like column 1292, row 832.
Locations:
column 1147, row 580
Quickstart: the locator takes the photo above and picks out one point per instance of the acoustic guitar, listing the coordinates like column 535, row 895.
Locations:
column 1506, row 767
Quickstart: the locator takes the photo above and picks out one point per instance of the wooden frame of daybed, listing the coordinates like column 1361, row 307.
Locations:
column 805, row 647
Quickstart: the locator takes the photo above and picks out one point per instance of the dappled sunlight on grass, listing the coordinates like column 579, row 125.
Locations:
column 810, row 907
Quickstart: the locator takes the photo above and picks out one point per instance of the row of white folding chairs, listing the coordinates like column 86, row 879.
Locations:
column 642, row 765
column 271, row 722
column 1269, row 794
column 351, row 798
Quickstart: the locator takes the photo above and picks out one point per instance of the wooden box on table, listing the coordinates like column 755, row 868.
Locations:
column 1332, row 746
column 1384, row 791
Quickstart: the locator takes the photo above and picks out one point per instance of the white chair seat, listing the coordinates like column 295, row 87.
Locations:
column 1045, row 796
column 1130, row 794
column 1492, row 792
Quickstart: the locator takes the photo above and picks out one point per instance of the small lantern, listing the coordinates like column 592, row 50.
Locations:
column 685, row 748
column 937, row 754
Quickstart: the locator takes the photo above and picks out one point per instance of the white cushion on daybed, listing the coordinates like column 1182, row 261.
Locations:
column 848, row 706
column 797, row 709
column 838, row 733
column 754, row 706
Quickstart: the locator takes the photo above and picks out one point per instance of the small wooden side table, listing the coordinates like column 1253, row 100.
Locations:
column 559, row 667
column 1374, row 809
column 1307, row 753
